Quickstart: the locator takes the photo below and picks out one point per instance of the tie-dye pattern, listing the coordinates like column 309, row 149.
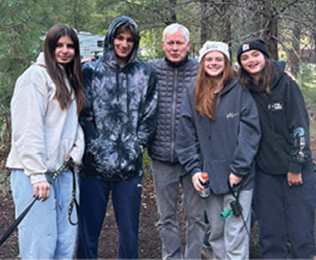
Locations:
column 121, row 113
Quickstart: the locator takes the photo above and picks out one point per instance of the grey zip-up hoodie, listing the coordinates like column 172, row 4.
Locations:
column 121, row 112
column 221, row 146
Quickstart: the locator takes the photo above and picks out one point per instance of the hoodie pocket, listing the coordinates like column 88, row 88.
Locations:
column 218, row 172
column 119, row 157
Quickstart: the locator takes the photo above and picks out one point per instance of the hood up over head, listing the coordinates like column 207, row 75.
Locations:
column 109, row 55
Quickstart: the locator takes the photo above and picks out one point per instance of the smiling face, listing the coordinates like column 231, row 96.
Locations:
column 65, row 50
column 214, row 64
column 123, row 46
column 253, row 62
column 176, row 46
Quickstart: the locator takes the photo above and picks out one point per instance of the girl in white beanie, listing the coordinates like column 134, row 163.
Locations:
column 219, row 133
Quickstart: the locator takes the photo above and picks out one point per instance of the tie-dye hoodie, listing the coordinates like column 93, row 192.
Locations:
column 121, row 112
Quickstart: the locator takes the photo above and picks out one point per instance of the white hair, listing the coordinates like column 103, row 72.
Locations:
column 173, row 28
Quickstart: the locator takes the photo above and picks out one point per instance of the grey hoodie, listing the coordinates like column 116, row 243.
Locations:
column 121, row 112
column 42, row 133
column 221, row 146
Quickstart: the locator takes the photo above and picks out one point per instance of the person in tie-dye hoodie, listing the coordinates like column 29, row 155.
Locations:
column 118, row 122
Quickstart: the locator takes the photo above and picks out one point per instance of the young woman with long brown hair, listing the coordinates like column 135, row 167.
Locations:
column 219, row 133
column 47, row 100
column 285, row 178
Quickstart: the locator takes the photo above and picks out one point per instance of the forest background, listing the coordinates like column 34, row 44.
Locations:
column 287, row 26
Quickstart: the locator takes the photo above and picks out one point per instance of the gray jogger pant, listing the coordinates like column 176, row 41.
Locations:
column 167, row 179
column 229, row 238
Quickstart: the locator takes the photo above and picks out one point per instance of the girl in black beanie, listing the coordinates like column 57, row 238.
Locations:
column 285, row 179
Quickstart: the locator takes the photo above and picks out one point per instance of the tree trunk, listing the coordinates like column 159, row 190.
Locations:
column 270, row 32
column 226, row 23
column 313, row 51
column 172, row 18
column 203, row 32
column 294, row 52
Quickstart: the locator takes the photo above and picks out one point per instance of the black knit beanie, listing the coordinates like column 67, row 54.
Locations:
column 255, row 44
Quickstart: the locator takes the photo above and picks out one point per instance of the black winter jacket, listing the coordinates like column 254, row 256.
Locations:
column 284, row 146
column 173, row 79
column 120, row 115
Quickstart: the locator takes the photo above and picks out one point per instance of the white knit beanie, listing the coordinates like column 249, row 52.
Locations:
column 214, row 46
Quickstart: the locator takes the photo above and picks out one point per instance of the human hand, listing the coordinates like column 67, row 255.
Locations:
column 289, row 74
column 197, row 182
column 83, row 61
column 294, row 179
column 42, row 189
column 69, row 157
column 234, row 180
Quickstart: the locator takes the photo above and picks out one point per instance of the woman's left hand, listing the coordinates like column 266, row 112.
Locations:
column 294, row 179
column 68, row 158
column 234, row 180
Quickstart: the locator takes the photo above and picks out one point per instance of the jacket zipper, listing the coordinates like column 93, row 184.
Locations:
column 120, row 134
column 174, row 107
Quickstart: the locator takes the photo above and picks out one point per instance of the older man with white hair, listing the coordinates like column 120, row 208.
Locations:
column 174, row 72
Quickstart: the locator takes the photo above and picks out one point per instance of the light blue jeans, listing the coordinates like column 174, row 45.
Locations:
column 167, row 180
column 45, row 232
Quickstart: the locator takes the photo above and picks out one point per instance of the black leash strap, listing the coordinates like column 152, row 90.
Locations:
column 236, row 206
column 68, row 163
column 73, row 200
column 17, row 222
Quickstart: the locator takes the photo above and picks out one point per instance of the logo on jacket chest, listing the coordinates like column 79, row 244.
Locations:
column 275, row 106
column 231, row 115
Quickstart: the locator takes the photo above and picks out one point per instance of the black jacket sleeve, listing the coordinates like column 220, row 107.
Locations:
column 298, row 126
column 148, row 122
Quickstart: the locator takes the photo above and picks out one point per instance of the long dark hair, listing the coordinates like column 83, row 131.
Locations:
column 265, row 78
column 73, row 71
column 204, row 89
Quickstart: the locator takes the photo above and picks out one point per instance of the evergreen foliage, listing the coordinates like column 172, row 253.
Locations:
column 287, row 26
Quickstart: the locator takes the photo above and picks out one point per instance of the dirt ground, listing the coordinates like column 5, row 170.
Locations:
column 149, row 241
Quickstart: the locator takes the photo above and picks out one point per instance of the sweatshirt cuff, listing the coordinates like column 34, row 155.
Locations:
column 75, row 154
column 38, row 178
column 295, row 167
column 239, row 174
column 195, row 170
